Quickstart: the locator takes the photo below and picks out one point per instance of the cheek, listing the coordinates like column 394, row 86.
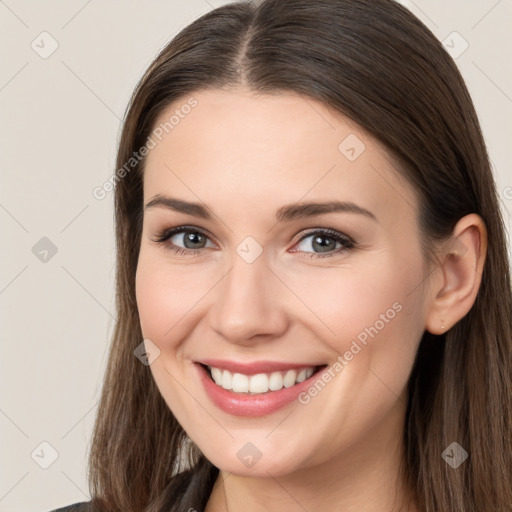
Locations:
column 353, row 301
column 172, row 300
column 164, row 301
column 375, row 322
column 371, row 318
column 164, row 295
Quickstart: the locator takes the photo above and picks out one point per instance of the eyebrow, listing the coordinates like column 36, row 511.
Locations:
column 285, row 213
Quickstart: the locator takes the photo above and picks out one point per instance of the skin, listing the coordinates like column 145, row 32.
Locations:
column 244, row 156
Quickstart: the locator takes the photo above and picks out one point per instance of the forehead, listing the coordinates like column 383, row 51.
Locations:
column 237, row 145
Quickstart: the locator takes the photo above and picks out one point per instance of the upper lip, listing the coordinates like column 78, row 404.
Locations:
column 255, row 366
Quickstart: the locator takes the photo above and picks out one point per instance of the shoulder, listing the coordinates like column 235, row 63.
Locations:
column 83, row 506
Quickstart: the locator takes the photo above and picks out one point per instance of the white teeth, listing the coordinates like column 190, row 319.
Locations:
column 275, row 383
column 227, row 380
column 261, row 382
column 216, row 374
column 240, row 383
column 289, row 378
column 301, row 376
column 258, row 383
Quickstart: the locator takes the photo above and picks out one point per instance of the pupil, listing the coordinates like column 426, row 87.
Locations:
column 194, row 238
column 324, row 247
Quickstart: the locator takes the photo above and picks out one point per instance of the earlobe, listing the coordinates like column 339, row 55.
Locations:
column 462, row 260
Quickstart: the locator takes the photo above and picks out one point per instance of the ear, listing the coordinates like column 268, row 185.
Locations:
column 462, row 260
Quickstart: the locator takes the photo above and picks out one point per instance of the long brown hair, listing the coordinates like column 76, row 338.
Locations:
column 375, row 62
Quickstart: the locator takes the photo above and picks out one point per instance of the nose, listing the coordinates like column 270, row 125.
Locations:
column 248, row 303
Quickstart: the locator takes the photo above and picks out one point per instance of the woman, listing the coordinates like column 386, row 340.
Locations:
column 313, row 292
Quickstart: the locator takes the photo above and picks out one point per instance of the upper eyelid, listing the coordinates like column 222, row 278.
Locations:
column 168, row 232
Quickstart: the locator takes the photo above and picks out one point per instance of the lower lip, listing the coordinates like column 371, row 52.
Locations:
column 241, row 404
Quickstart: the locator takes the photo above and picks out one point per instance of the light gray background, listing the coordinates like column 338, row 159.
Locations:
column 60, row 119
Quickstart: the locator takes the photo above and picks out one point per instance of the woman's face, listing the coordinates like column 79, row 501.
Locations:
column 260, row 280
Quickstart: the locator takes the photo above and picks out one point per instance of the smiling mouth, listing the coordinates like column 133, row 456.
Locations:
column 260, row 383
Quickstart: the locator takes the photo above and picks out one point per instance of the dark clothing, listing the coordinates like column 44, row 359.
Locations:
column 189, row 490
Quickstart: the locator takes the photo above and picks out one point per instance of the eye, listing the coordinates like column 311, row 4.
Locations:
column 325, row 241
column 192, row 238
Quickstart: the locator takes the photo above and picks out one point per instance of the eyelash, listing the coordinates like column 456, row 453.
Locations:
column 346, row 241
